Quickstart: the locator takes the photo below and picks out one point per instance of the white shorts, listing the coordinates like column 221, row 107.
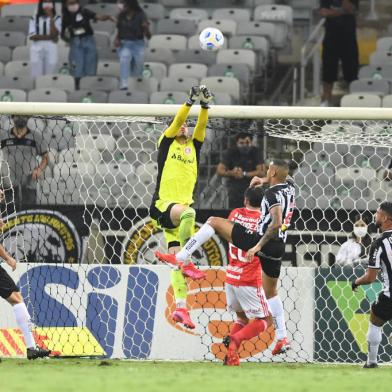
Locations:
column 247, row 299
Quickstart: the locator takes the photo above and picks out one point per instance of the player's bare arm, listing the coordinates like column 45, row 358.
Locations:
column 7, row 258
column 370, row 276
column 271, row 233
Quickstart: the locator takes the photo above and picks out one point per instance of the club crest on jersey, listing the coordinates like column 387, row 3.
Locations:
column 188, row 150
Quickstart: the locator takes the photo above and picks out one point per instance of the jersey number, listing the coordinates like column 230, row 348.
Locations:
column 237, row 254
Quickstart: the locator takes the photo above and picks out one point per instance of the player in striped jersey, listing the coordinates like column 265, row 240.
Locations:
column 380, row 258
column 268, row 243
column 244, row 293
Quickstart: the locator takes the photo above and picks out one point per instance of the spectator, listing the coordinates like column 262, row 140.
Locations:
column 340, row 43
column 239, row 165
column 77, row 30
column 132, row 28
column 355, row 248
column 44, row 29
column 21, row 146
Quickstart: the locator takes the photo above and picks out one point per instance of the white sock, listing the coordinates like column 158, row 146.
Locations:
column 23, row 320
column 181, row 303
column 277, row 311
column 202, row 236
column 373, row 338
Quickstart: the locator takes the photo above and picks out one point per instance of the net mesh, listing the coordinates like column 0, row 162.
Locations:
column 88, row 213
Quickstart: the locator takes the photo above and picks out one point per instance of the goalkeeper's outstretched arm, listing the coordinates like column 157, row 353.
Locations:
column 182, row 114
column 199, row 132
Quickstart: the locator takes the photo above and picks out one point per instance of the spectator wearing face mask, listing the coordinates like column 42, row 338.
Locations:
column 132, row 28
column 44, row 29
column 355, row 248
column 22, row 148
column 77, row 30
column 239, row 165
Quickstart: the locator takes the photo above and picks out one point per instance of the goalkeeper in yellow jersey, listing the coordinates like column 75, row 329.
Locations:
column 171, row 207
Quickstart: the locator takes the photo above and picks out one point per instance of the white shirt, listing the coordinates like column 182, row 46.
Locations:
column 349, row 253
column 43, row 25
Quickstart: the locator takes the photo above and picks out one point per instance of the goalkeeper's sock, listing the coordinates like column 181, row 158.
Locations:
column 179, row 287
column 250, row 330
column 202, row 236
column 373, row 338
column 236, row 327
column 186, row 229
column 23, row 320
column 277, row 312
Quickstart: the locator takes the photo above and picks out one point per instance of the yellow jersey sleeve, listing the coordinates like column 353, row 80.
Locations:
column 179, row 119
column 199, row 132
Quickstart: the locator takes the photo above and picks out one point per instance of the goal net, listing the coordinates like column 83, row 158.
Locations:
column 86, row 242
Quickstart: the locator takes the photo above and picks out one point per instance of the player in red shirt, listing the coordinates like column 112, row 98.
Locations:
column 244, row 293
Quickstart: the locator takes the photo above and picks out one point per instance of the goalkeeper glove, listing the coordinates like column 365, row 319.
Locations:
column 193, row 95
column 205, row 97
column 354, row 286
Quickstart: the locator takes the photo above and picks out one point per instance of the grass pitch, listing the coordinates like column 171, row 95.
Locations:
column 83, row 375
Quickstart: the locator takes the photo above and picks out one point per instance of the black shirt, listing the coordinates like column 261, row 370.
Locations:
column 246, row 161
column 131, row 29
column 78, row 23
column 344, row 24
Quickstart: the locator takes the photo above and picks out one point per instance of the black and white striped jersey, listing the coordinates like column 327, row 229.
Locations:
column 380, row 256
column 283, row 195
column 40, row 25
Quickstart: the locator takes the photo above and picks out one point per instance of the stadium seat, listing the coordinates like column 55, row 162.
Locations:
column 226, row 26
column 21, row 53
column 102, row 39
column 5, row 54
column 148, row 86
column 18, row 10
column 17, row 68
column 154, row 70
column 384, row 44
column 12, row 95
column 153, row 11
column 62, row 82
column 377, row 58
column 12, row 38
column 223, row 84
column 17, row 82
column 375, row 72
column 173, row 97
column 387, row 101
column 169, row 41
column 238, row 71
column 96, row 142
column 12, row 23
column 128, row 97
column 349, row 175
column 177, row 84
column 263, row 29
column 237, row 56
column 194, row 42
column 47, row 95
column 176, row 26
column 190, row 70
column 103, row 26
column 361, row 100
column 379, row 87
column 237, row 14
column 108, row 68
column 257, row 43
column 162, row 55
column 105, row 83
column 195, row 14
column 104, row 8
column 263, row 2
column 195, row 56
column 107, row 53
column 274, row 13
column 221, row 99
column 88, row 96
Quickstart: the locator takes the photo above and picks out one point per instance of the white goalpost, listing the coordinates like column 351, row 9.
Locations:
column 89, row 275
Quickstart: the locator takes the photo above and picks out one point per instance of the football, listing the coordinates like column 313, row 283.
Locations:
column 211, row 39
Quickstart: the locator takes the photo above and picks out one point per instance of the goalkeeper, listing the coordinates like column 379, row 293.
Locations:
column 178, row 160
